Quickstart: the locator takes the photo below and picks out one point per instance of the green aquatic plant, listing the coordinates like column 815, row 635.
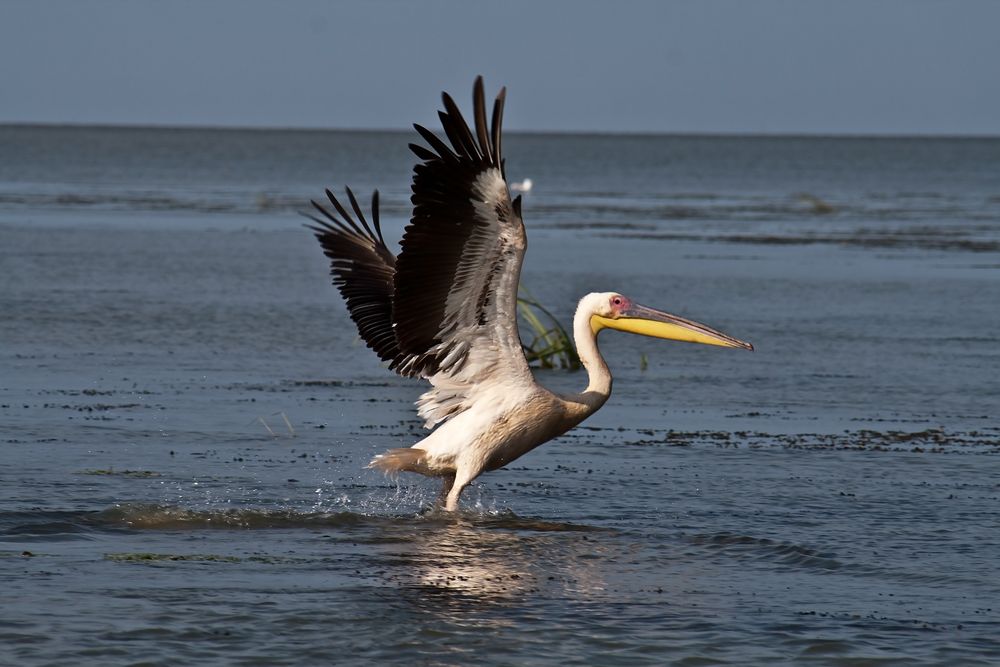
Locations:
column 551, row 346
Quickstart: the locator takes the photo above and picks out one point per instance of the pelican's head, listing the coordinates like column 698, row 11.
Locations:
column 611, row 310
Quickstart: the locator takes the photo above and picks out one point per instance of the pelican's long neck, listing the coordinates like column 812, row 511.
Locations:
column 599, row 377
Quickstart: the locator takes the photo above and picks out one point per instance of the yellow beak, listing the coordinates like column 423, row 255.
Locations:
column 649, row 322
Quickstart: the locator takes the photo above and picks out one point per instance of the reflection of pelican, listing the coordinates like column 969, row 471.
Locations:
column 451, row 567
column 463, row 558
column 446, row 308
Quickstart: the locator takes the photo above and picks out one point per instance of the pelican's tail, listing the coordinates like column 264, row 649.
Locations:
column 396, row 461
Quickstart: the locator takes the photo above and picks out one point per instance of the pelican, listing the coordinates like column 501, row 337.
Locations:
column 523, row 186
column 445, row 308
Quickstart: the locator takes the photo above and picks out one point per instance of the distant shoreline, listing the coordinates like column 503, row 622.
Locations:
column 407, row 131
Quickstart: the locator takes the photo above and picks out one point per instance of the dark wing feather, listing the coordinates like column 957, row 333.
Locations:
column 362, row 268
column 457, row 273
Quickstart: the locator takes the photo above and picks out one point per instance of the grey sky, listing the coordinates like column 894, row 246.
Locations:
column 844, row 66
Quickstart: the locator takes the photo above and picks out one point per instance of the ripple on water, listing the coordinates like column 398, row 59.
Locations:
column 151, row 516
column 766, row 549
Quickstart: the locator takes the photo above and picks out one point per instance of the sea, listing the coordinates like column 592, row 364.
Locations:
column 186, row 411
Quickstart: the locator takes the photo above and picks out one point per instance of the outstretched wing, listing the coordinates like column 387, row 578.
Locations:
column 455, row 288
column 362, row 268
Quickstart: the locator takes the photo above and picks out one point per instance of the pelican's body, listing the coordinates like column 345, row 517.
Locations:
column 445, row 309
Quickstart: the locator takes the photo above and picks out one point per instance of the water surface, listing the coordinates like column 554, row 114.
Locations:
column 832, row 498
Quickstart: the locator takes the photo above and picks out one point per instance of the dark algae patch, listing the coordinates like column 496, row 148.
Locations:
column 155, row 558
column 149, row 558
column 931, row 441
column 139, row 474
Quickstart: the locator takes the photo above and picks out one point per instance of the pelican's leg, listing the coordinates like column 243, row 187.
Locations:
column 461, row 480
column 449, row 481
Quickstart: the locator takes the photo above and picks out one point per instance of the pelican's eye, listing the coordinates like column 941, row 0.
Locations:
column 617, row 304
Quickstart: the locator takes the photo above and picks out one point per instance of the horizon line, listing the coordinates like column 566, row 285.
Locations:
column 610, row 133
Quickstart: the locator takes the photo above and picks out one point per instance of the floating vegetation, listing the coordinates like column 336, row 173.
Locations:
column 928, row 441
column 550, row 346
column 121, row 473
column 149, row 557
column 288, row 423
column 144, row 557
column 817, row 205
column 265, row 202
